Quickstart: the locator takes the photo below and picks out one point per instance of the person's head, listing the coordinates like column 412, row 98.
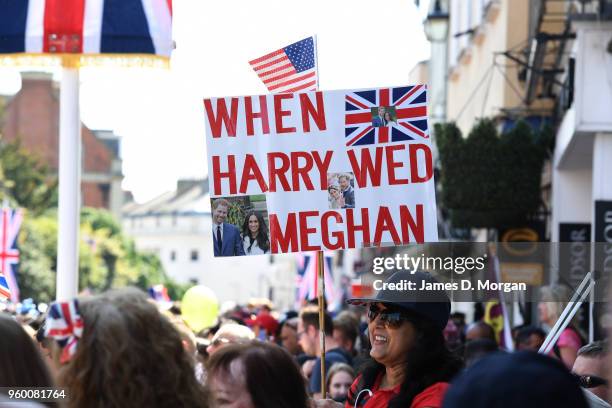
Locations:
column 345, row 181
column 590, row 367
column 405, row 330
column 288, row 336
column 253, row 224
column 220, row 208
column 397, row 319
column 129, row 355
column 339, row 379
column 474, row 350
column 553, row 299
column 459, row 319
column 308, row 329
column 256, row 375
column 255, row 228
column 227, row 334
column 381, row 110
column 479, row 330
column 334, row 191
column 22, row 364
column 509, row 380
column 529, row 338
column 346, row 329
column 388, row 117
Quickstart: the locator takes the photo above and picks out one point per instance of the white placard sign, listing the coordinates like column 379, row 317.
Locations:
column 325, row 170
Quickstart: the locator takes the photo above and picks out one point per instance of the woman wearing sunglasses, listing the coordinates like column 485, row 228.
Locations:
column 411, row 365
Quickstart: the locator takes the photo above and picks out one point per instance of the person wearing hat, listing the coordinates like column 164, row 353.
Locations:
column 411, row 365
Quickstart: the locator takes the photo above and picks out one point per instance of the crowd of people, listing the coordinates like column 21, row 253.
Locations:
column 122, row 349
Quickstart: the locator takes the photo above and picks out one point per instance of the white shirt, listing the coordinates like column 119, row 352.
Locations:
column 255, row 249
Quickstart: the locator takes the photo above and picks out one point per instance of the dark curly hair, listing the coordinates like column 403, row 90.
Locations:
column 129, row 356
column 262, row 235
column 428, row 362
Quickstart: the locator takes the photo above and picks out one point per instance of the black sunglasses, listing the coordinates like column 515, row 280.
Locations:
column 389, row 317
column 590, row 381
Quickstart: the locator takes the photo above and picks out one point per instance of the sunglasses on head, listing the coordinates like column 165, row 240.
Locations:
column 389, row 317
column 590, row 381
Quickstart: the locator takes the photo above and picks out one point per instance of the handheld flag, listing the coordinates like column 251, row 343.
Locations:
column 65, row 325
column 289, row 69
column 9, row 254
column 307, row 278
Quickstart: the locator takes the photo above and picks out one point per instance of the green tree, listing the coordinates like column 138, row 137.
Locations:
column 491, row 180
column 25, row 180
column 37, row 262
column 107, row 257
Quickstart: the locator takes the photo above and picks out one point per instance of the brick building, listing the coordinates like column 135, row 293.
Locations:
column 33, row 116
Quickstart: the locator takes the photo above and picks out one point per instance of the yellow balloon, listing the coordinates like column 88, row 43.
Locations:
column 199, row 307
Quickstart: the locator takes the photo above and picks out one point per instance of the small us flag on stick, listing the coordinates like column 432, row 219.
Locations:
column 290, row 69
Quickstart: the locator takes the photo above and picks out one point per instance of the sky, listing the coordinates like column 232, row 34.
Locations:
column 159, row 113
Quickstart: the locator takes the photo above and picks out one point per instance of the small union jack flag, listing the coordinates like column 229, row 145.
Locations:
column 307, row 278
column 407, row 120
column 9, row 254
column 65, row 324
column 159, row 293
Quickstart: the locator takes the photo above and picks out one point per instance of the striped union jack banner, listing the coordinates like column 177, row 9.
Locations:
column 9, row 254
column 307, row 278
column 407, row 105
column 290, row 69
column 86, row 26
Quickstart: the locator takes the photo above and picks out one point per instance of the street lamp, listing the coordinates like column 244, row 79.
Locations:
column 436, row 24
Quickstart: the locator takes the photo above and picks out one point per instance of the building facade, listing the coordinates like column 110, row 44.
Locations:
column 32, row 116
column 177, row 226
column 483, row 80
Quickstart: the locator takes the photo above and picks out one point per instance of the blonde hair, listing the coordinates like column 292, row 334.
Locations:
column 555, row 298
column 336, row 368
column 235, row 333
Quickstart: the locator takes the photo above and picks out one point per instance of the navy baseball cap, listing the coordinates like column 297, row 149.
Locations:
column 403, row 289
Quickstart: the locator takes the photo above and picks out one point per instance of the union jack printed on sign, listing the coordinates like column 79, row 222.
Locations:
column 409, row 103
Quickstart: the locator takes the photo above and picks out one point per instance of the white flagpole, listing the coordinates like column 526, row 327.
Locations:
column 69, row 186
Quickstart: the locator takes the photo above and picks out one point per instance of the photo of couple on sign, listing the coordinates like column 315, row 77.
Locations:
column 383, row 116
column 341, row 190
column 240, row 226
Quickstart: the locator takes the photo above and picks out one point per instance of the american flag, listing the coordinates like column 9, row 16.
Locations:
column 290, row 69
column 9, row 254
column 307, row 278
column 65, row 325
column 409, row 104
column 86, row 27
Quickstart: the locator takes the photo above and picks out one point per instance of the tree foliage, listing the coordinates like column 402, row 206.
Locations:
column 25, row 180
column 107, row 257
column 491, row 180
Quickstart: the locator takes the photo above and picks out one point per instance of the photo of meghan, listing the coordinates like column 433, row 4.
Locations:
column 255, row 237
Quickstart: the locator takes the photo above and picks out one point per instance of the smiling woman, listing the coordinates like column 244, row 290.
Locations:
column 411, row 365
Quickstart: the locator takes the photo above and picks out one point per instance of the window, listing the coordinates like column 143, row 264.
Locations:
column 173, row 255
column 194, row 255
